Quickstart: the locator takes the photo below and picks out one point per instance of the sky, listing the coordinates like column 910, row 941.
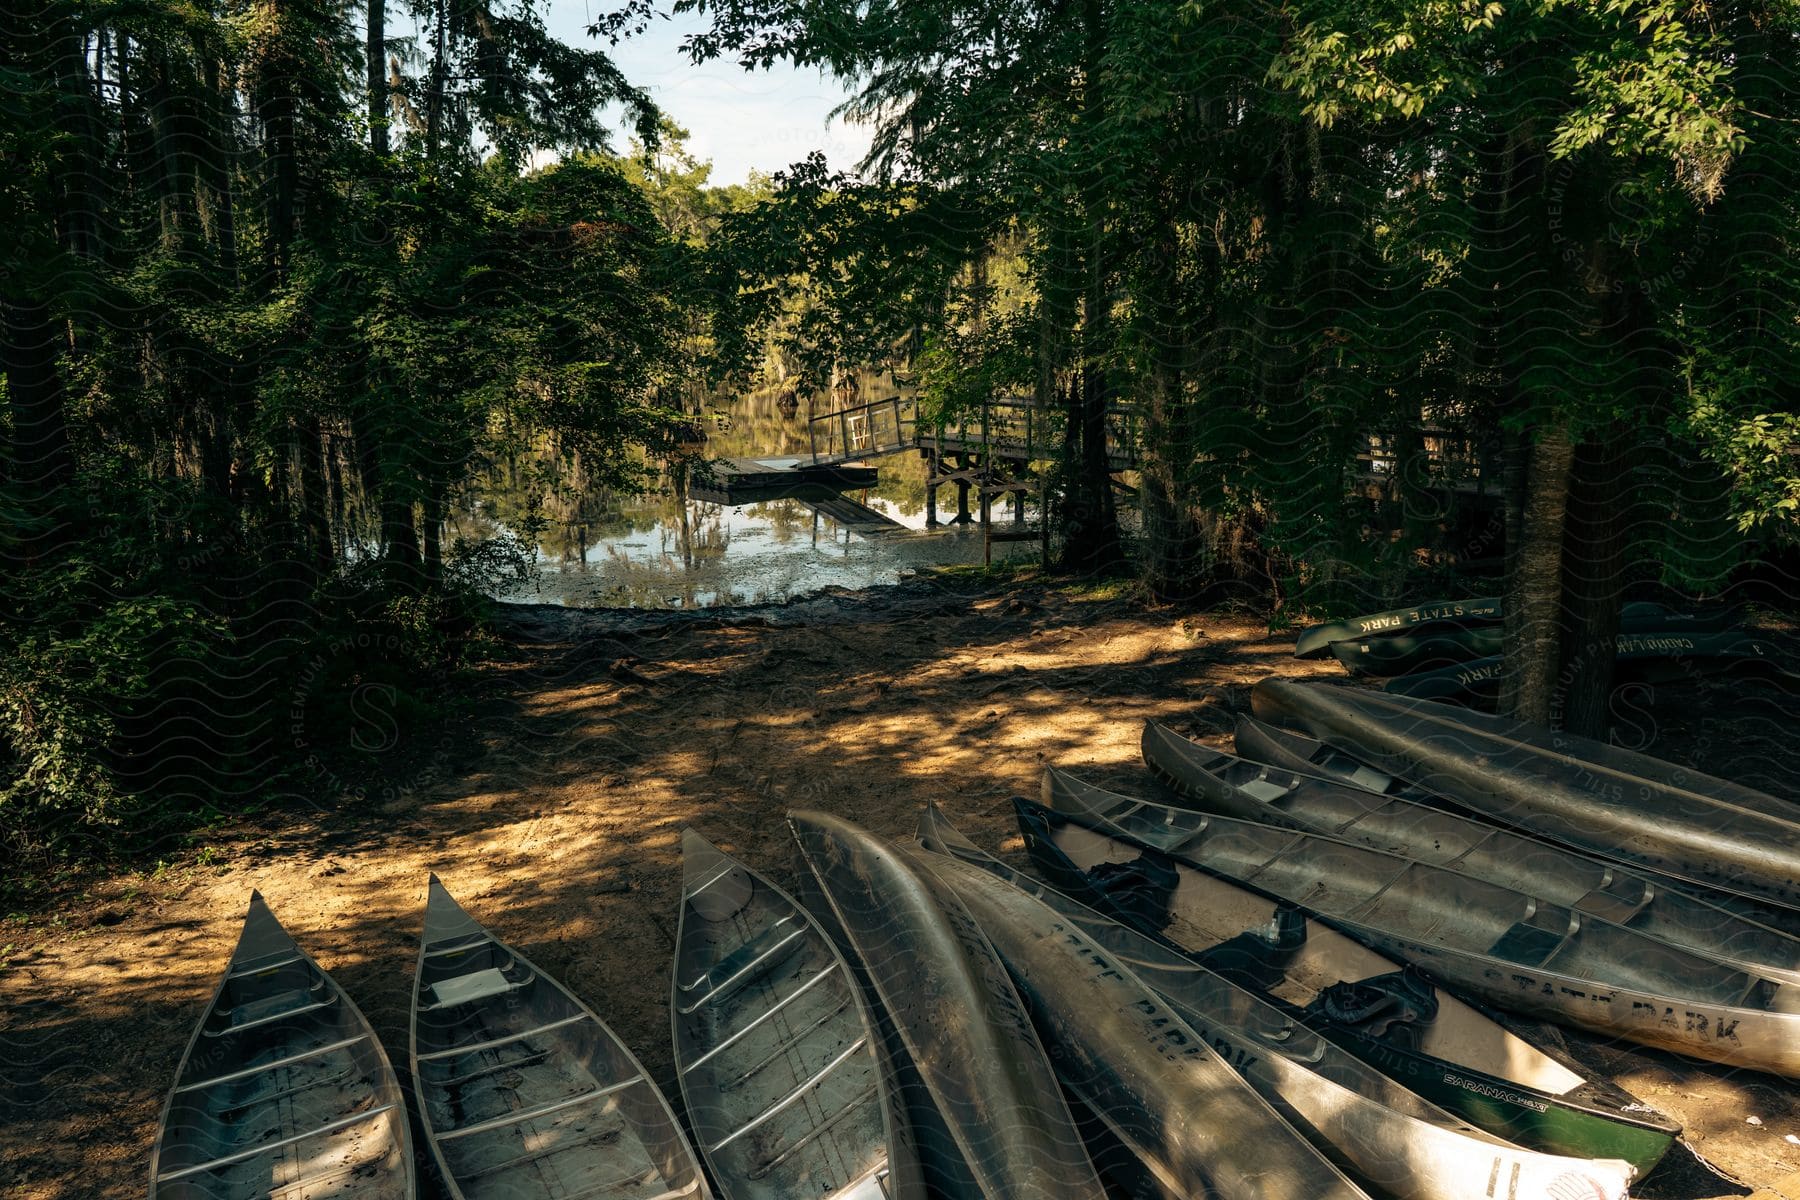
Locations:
column 739, row 120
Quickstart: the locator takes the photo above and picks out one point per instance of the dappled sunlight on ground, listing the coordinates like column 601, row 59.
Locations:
column 562, row 834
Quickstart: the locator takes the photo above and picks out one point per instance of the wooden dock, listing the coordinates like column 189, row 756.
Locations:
column 746, row 480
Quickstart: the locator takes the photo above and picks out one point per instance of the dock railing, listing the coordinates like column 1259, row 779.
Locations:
column 874, row 427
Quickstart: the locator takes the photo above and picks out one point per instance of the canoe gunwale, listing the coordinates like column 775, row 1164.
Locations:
column 1764, row 1039
column 696, row 851
column 260, row 924
column 1592, row 1110
column 671, row 1144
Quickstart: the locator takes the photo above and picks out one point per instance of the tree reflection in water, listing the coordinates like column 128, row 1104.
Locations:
column 597, row 545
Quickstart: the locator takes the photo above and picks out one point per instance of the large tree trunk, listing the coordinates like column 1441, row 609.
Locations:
column 376, row 50
column 1532, row 642
column 1173, row 550
column 1090, row 517
column 1594, row 578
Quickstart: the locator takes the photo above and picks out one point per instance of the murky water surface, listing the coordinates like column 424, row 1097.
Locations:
column 605, row 549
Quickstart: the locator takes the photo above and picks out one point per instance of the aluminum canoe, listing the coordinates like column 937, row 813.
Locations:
column 1439, row 616
column 1307, row 755
column 953, row 1007
column 1515, row 950
column 1421, row 1035
column 1133, row 1059
column 1235, row 787
column 284, row 1089
column 523, row 1091
column 1317, row 641
column 776, row 1057
column 1653, row 656
column 1619, row 804
column 1381, row 1132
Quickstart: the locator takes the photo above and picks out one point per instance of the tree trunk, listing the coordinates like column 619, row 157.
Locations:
column 1172, row 542
column 1594, row 578
column 41, row 460
column 379, row 106
column 315, row 514
column 1532, row 642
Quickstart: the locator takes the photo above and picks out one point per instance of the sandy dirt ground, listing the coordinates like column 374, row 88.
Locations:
column 553, row 812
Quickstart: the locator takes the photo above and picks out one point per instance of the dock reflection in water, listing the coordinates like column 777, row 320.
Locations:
column 657, row 552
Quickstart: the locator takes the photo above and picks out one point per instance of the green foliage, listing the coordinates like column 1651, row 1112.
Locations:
column 276, row 336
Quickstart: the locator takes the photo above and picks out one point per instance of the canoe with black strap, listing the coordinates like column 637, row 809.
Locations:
column 523, row 1091
column 1423, row 1036
column 1223, row 783
column 962, row 1026
column 1618, row 804
column 284, row 1090
column 1517, row 951
column 776, row 1058
column 1378, row 1130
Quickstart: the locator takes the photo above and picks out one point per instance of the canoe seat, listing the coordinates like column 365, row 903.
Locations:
column 1610, row 906
column 731, row 972
column 476, row 985
column 274, row 1065
column 1530, row 943
column 262, row 1148
column 868, row 1095
column 786, row 1044
column 763, row 1018
column 788, row 1101
column 257, row 966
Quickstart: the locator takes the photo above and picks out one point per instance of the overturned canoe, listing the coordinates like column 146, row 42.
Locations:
column 1235, row 787
column 1130, row 1056
column 1653, row 657
column 1404, row 654
column 1317, row 641
column 1482, row 615
column 1615, row 803
column 283, row 1090
column 1513, row 949
column 954, row 1009
column 522, row 1090
column 1380, row 1131
column 776, row 1057
column 1306, row 755
column 1393, row 1018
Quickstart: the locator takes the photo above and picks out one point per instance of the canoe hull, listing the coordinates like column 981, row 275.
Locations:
column 955, row 1012
column 284, row 1080
column 775, row 1056
column 1454, row 1058
column 1617, row 804
column 1234, row 787
column 1361, row 1118
column 1132, row 1058
column 524, row 1091
column 1515, row 950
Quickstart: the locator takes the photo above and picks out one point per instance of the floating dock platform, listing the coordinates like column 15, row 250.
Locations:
column 742, row 480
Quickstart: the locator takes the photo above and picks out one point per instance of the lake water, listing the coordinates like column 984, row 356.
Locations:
column 598, row 548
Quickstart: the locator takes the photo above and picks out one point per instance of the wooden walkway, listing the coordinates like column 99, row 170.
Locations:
column 1014, row 428
column 742, row 480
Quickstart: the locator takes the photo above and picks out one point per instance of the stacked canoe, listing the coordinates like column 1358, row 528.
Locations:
column 1275, row 978
column 1450, row 649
